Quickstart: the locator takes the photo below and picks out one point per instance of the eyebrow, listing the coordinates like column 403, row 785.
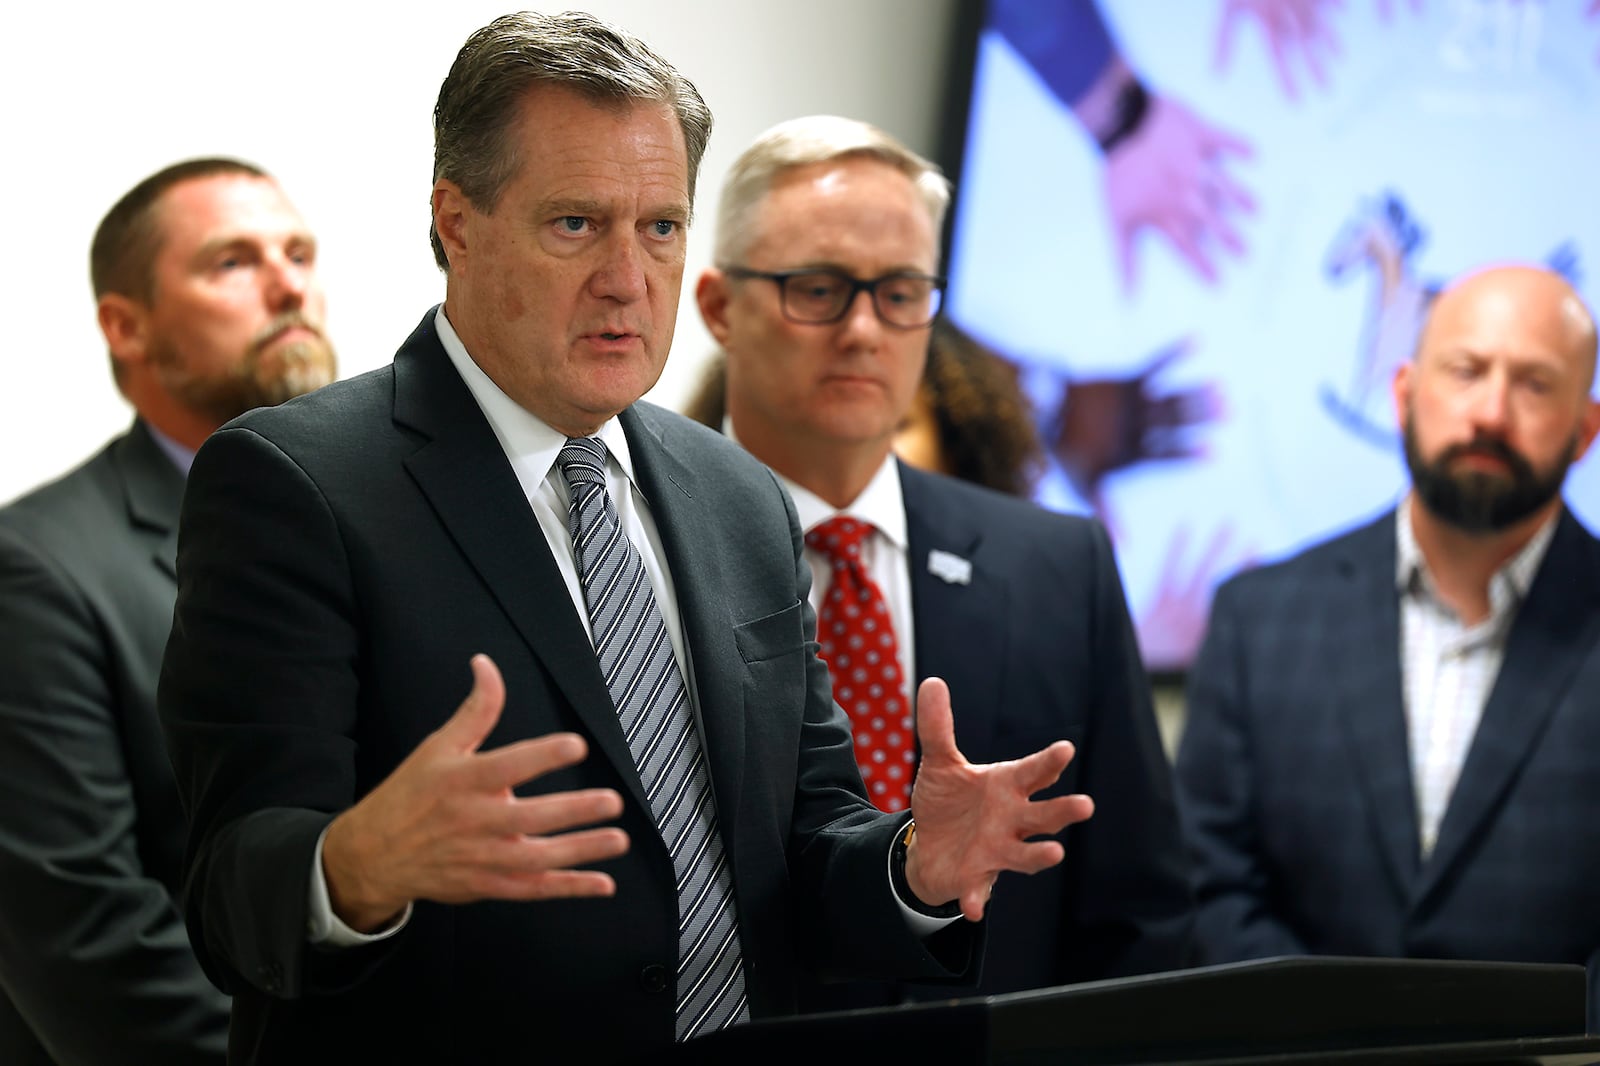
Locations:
column 235, row 240
column 563, row 208
column 839, row 268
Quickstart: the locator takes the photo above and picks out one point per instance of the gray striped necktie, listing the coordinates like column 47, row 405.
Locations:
column 636, row 658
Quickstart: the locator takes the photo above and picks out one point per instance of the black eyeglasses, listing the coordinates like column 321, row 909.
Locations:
column 821, row 297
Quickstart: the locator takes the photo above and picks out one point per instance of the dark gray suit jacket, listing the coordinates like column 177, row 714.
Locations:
column 341, row 558
column 1036, row 646
column 95, row 966
column 1296, row 782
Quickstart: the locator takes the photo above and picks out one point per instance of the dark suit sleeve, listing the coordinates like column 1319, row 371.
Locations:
column 1133, row 910
column 1217, row 788
column 258, row 698
column 92, row 950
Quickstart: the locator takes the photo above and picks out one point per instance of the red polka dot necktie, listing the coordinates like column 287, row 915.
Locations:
column 863, row 657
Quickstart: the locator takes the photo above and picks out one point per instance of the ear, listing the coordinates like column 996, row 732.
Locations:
column 124, row 323
column 1588, row 428
column 1401, row 388
column 450, row 209
column 712, row 294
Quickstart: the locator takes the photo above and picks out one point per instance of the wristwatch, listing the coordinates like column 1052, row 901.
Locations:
column 902, row 888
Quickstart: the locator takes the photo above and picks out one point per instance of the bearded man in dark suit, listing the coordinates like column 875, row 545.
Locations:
column 206, row 290
column 1393, row 736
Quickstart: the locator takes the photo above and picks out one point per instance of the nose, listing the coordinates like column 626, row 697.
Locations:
column 1491, row 405
column 288, row 282
column 620, row 273
column 861, row 324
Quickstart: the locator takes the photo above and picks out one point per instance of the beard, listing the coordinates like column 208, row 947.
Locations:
column 265, row 376
column 1477, row 501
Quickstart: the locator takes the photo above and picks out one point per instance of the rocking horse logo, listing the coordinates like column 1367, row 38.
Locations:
column 1384, row 236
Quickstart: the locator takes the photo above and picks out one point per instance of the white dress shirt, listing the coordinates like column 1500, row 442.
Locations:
column 1449, row 667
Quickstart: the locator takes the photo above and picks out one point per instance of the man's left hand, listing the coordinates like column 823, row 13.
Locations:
column 975, row 821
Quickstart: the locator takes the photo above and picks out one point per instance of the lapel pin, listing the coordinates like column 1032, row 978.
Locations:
column 948, row 567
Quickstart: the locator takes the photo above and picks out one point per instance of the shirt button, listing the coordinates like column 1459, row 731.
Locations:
column 653, row 978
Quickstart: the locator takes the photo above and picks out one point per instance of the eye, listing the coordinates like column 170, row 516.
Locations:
column 665, row 227
column 572, row 224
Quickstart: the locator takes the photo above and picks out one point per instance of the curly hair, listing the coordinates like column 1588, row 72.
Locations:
column 985, row 423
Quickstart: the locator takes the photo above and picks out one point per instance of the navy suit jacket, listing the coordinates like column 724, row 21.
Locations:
column 95, row 965
column 1036, row 646
column 1296, row 785
column 341, row 557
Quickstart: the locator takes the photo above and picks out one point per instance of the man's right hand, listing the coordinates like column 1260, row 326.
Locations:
column 446, row 826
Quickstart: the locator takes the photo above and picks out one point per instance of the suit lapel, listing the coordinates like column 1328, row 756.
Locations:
column 1554, row 630
column 462, row 471
column 1364, row 661
column 681, row 506
column 969, row 657
column 153, row 489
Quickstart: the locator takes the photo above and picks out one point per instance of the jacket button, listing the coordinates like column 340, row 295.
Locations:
column 653, row 978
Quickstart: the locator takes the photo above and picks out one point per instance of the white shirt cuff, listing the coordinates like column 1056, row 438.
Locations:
column 922, row 925
column 324, row 928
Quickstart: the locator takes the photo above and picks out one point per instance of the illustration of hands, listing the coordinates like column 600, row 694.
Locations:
column 1170, row 175
column 1108, row 424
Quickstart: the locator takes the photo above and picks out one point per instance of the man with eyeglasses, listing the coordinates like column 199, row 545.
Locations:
column 824, row 292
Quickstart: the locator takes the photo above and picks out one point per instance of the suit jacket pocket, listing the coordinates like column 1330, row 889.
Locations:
column 772, row 636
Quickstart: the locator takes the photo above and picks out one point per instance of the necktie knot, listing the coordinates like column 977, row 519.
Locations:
column 839, row 538
column 583, row 461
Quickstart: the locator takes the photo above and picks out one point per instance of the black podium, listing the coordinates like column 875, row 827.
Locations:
column 1273, row 1011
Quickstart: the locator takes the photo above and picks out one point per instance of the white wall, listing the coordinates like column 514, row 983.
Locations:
column 335, row 99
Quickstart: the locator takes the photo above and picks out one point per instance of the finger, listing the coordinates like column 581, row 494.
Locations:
column 936, row 729
column 1321, row 45
column 1179, row 410
column 973, row 901
column 1223, row 53
column 1177, row 550
column 1227, row 193
column 557, row 812
column 475, row 718
column 1165, row 357
column 1185, row 242
column 1281, row 62
column 1048, row 817
column 1043, row 768
column 1215, row 552
column 526, row 760
column 1033, row 857
column 1226, row 233
column 549, row 884
column 566, row 851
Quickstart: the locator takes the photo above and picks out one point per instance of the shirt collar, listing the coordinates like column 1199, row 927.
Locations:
column 1516, row 574
column 529, row 442
column 182, row 458
column 881, row 503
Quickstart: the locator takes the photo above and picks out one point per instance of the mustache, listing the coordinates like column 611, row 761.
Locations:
column 1488, row 447
column 285, row 321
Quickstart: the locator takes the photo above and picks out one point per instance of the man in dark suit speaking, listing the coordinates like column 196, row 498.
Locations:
column 207, row 293
column 823, row 294
column 381, row 871
column 1393, row 745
